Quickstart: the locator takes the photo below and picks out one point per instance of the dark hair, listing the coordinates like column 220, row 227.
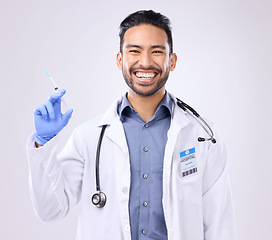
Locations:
column 146, row 17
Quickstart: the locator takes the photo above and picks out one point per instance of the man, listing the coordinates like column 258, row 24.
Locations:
column 160, row 181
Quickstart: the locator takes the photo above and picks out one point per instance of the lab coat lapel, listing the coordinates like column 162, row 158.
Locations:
column 179, row 121
column 115, row 130
column 116, row 133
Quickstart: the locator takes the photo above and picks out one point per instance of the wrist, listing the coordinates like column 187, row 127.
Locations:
column 40, row 141
column 38, row 145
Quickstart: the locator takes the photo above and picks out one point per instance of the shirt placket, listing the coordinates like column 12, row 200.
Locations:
column 144, row 179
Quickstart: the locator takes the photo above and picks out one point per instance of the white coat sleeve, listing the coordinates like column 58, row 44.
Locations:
column 55, row 180
column 218, row 214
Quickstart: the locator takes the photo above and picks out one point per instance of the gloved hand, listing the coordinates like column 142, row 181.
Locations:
column 49, row 120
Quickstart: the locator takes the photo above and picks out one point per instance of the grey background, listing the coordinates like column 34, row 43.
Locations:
column 224, row 71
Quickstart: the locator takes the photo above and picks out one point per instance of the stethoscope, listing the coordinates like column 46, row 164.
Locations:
column 99, row 198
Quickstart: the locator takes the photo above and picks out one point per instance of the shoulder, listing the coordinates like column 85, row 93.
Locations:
column 88, row 128
column 93, row 125
column 182, row 109
column 187, row 116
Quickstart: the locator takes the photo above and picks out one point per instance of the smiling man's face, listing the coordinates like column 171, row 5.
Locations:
column 146, row 60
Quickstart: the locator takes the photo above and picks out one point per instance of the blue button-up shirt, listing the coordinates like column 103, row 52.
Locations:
column 146, row 142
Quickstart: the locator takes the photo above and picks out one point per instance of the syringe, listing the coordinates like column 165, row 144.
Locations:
column 56, row 88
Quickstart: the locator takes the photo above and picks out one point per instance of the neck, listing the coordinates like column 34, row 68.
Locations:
column 145, row 106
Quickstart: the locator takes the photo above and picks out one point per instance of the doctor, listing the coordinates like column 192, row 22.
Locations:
column 160, row 181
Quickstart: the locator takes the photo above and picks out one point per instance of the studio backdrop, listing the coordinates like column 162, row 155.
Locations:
column 223, row 70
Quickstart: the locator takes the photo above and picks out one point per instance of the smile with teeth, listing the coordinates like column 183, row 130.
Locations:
column 145, row 75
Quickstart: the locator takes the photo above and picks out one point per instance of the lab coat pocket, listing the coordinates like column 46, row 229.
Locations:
column 186, row 175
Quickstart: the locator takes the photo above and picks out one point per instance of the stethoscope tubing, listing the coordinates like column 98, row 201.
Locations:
column 193, row 113
column 98, row 157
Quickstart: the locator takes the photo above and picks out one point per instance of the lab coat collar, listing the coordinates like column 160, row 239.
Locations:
column 180, row 118
column 109, row 117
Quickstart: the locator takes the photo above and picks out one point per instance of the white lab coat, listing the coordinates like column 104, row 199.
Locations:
column 196, row 207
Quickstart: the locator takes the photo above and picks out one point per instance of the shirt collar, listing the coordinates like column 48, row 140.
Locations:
column 166, row 102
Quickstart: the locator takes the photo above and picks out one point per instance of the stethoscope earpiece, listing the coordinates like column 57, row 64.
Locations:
column 201, row 139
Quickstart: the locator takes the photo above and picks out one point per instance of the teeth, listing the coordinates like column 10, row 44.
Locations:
column 145, row 75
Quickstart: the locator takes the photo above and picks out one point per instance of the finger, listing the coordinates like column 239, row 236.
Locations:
column 66, row 116
column 57, row 96
column 41, row 111
column 50, row 109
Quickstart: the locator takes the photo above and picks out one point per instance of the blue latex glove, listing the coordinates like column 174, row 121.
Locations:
column 49, row 120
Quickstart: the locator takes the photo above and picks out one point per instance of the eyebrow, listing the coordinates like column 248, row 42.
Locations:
column 152, row 47
column 133, row 46
column 158, row 46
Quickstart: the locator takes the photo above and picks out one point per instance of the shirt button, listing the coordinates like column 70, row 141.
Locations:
column 145, row 204
column 145, row 176
column 125, row 190
column 144, row 232
column 146, row 125
column 146, row 149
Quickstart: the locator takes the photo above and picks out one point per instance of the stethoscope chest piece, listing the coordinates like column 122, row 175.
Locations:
column 99, row 199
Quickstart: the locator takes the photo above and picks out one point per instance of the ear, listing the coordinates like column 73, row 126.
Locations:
column 173, row 61
column 119, row 60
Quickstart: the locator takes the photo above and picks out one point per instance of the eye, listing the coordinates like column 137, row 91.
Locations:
column 133, row 51
column 157, row 51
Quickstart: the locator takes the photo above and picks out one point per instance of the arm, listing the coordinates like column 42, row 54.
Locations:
column 55, row 180
column 218, row 216
column 49, row 188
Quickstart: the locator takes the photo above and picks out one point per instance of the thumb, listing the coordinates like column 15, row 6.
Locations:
column 66, row 116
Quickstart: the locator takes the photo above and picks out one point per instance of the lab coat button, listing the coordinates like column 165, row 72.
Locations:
column 127, row 228
column 125, row 190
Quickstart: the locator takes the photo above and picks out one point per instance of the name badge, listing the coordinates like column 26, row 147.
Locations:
column 188, row 162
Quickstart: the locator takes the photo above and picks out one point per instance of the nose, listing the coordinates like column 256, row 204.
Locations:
column 145, row 59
